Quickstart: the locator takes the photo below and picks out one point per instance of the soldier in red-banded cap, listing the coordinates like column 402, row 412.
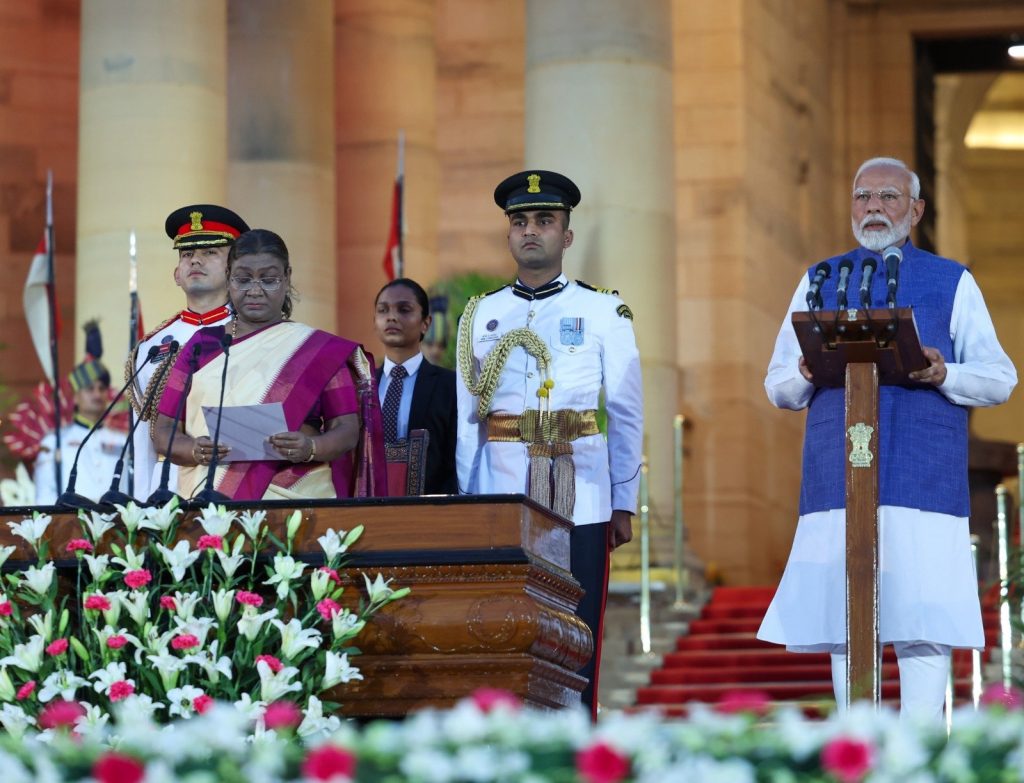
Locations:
column 202, row 234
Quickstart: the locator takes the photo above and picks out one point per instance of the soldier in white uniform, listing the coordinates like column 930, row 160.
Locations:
column 202, row 235
column 90, row 382
column 533, row 359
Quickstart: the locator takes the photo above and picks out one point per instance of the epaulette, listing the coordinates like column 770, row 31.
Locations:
column 590, row 287
column 496, row 290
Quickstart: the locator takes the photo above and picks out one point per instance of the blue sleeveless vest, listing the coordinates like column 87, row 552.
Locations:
column 922, row 462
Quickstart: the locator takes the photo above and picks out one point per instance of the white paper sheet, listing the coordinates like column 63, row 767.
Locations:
column 246, row 429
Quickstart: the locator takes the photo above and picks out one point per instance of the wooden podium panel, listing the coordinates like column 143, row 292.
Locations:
column 492, row 603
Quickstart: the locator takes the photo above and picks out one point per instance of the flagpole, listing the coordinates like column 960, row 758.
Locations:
column 52, row 295
column 400, row 179
column 133, row 335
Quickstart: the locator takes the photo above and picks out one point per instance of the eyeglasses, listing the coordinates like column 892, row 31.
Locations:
column 888, row 196
column 268, row 284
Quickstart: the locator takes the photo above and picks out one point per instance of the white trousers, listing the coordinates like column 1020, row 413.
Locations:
column 924, row 675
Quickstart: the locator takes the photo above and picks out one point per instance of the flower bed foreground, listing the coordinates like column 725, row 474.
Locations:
column 491, row 738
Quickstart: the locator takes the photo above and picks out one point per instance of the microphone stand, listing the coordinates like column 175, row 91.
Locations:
column 209, row 494
column 162, row 495
column 69, row 498
column 114, row 496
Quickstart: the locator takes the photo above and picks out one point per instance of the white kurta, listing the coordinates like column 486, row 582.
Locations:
column 95, row 466
column 928, row 589
column 147, row 466
column 593, row 349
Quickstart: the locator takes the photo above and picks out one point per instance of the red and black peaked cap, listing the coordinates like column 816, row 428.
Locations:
column 203, row 225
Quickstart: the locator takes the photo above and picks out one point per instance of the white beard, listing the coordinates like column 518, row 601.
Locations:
column 879, row 240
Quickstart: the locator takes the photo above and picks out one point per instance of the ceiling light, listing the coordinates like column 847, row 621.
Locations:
column 1016, row 51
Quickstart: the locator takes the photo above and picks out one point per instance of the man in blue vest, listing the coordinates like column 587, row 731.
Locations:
column 928, row 588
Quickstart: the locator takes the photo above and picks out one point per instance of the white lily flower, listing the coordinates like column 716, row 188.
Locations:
column 274, row 686
column 216, row 520
column 292, row 525
column 252, row 710
column 7, row 691
column 97, row 565
column 114, row 672
column 96, row 523
column 210, row 663
column 185, row 604
column 137, row 709
column 199, row 627
column 222, row 602
column 93, row 725
column 6, row 552
column 104, row 633
column 314, row 724
column 161, row 518
column 251, row 622
column 43, row 624
column 230, row 563
column 286, row 568
column 168, row 666
column 32, row 529
column 19, row 491
column 117, row 599
column 132, row 516
column 378, row 590
column 345, row 624
column 319, row 583
column 252, row 523
column 27, row 656
column 137, row 606
column 295, row 638
column 331, row 543
column 38, row 580
column 181, row 700
column 178, row 559
column 337, row 670
column 131, row 561
column 14, row 720
column 63, row 683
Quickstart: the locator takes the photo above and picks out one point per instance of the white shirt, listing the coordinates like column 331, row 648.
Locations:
column 411, row 366
column 95, row 465
column 595, row 350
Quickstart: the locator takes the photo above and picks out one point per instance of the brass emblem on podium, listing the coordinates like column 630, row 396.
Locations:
column 851, row 314
column 533, row 181
column 860, row 436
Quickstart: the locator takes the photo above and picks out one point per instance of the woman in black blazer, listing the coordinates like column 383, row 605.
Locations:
column 402, row 317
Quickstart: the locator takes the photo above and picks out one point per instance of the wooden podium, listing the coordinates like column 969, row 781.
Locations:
column 859, row 350
column 492, row 603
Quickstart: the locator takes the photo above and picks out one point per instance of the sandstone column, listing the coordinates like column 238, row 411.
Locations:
column 281, row 137
column 599, row 109
column 386, row 82
column 151, row 138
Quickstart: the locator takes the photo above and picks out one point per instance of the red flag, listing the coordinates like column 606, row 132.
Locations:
column 37, row 299
column 393, row 252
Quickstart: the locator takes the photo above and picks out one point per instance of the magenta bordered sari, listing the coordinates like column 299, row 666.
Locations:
column 316, row 376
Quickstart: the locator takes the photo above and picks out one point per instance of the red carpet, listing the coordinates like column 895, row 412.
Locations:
column 721, row 654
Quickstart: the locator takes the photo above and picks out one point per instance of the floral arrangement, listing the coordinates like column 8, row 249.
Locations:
column 164, row 629
column 491, row 738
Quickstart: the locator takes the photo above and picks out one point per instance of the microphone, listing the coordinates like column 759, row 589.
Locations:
column 822, row 272
column 209, row 494
column 845, row 270
column 162, row 495
column 69, row 498
column 892, row 257
column 114, row 496
column 867, row 269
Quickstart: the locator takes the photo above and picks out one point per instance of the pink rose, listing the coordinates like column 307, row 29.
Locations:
column 274, row 663
column 60, row 713
column 117, row 768
column 248, row 599
column 78, row 545
column 121, row 690
column 185, row 641
column 327, row 607
column 137, row 579
column 97, row 602
column 329, row 762
column 209, row 542
column 601, row 763
column 167, row 602
column 57, row 647
column 487, row 699
column 282, row 715
column 116, row 642
column 202, row 703
column 846, row 759
column 752, row 701
column 25, row 690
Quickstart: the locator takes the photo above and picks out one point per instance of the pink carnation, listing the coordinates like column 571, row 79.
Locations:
column 601, row 763
column 846, row 759
column 329, row 762
column 60, row 713
column 6, row 608
column 137, row 579
column 274, row 663
column 167, row 602
column 118, row 768
column 25, row 690
column 209, row 542
column 185, row 641
column 247, row 598
column 327, row 607
column 57, row 647
column 78, row 545
column 116, row 642
column 121, row 690
column 97, row 602
column 282, row 715
column 487, row 699
column 332, row 574
column 202, row 703
column 739, row 701
column 1007, row 697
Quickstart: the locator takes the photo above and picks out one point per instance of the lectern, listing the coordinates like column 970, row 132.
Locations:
column 859, row 350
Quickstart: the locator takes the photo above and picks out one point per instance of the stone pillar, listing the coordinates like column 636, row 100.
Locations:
column 281, row 137
column 385, row 65
column 599, row 110
column 151, row 138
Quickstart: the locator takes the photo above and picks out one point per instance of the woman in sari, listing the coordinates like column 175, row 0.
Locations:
column 333, row 446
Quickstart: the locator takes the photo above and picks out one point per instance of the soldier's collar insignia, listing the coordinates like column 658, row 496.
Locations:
column 542, row 292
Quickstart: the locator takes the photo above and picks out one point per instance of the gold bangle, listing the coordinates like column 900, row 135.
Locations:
column 312, row 449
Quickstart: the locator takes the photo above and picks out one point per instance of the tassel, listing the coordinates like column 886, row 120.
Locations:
column 539, row 487
column 563, row 474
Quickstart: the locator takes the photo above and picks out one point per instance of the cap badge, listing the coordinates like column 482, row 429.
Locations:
column 533, row 181
column 197, row 221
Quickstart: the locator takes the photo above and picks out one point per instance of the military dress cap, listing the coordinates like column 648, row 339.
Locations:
column 203, row 225
column 91, row 370
column 536, row 189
